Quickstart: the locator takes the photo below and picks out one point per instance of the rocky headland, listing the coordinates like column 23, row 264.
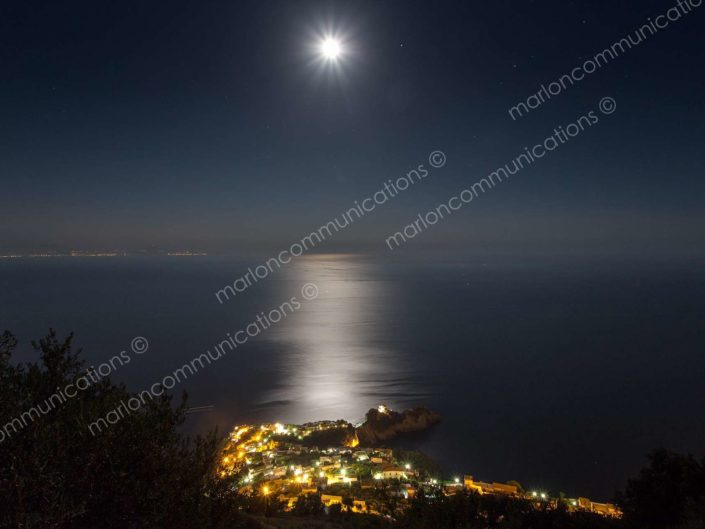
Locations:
column 383, row 424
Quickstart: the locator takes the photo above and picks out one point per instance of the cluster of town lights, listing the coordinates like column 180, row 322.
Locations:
column 270, row 458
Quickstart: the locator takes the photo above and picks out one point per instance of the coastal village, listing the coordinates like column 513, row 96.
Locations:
column 283, row 462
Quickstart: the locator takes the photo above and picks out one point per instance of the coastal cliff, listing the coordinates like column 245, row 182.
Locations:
column 382, row 424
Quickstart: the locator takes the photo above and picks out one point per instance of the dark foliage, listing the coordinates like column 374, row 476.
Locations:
column 669, row 493
column 308, row 505
column 138, row 473
column 420, row 462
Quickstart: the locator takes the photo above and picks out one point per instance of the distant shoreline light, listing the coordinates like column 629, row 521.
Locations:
column 98, row 254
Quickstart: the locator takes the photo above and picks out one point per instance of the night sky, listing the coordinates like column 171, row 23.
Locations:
column 215, row 126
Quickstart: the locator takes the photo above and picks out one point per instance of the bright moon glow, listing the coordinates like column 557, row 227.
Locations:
column 330, row 49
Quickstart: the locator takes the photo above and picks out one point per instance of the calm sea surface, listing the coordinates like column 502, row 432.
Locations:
column 559, row 375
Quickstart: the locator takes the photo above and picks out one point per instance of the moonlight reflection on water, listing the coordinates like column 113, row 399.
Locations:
column 336, row 364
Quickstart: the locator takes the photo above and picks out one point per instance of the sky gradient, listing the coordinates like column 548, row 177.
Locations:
column 212, row 125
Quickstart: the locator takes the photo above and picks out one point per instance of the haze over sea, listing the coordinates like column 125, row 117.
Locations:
column 560, row 374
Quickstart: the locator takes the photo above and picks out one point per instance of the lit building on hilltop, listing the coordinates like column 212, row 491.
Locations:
column 490, row 488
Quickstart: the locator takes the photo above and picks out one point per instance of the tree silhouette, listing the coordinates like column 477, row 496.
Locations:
column 139, row 473
column 668, row 493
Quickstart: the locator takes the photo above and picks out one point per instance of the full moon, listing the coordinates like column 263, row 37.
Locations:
column 330, row 49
